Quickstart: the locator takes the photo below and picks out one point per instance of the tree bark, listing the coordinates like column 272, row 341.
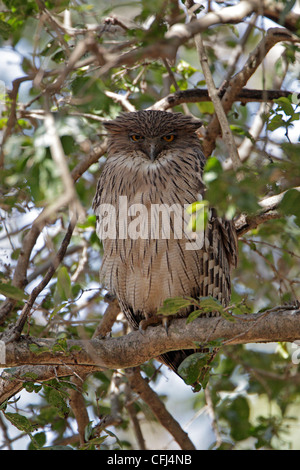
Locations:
column 277, row 324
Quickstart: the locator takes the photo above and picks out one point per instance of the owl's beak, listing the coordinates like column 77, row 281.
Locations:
column 153, row 151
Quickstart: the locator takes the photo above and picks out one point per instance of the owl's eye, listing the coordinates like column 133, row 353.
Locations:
column 136, row 137
column 169, row 137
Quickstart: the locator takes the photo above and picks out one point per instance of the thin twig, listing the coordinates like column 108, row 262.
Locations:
column 9, row 335
column 211, row 413
column 109, row 317
column 219, row 110
column 134, row 419
column 273, row 36
column 69, row 197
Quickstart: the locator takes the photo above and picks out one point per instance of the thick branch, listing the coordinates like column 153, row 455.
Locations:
column 278, row 324
column 197, row 95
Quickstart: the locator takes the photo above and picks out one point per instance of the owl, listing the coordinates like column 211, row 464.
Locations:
column 152, row 175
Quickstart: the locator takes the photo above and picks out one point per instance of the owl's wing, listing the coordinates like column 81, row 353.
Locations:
column 218, row 258
column 229, row 240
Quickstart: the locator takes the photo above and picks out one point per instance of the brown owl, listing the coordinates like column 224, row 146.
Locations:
column 152, row 174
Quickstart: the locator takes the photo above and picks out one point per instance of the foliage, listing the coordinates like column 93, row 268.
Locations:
column 253, row 392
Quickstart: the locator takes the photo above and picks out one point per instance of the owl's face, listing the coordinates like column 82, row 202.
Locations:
column 152, row 145
column 150, row 134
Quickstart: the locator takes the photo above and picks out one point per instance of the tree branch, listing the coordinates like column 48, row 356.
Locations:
column 278, row 324
column 275, row 10
column 198, row 95
column 78, row 405
column 270, row 206
column 235, row 85
column 12, row 381
column 141, row 386
column 69, row 196
column 14, row 333
column 13, row 95
column 20, row 274
column 219, row 110
column 178, row 34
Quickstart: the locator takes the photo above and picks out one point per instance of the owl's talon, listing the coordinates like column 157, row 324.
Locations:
column 152, row 321
column 142, row 327
column 165, row 321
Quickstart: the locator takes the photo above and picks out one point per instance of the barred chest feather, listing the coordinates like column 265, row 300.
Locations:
column 150, row 261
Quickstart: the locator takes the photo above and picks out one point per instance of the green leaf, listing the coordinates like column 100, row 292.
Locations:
column 282, row 350
column 289, row 4
column 206, row 107
column 12, row 292
column 198, row 212
column 196, row 206
column 89, row 222
column 20, row 421
column 57, row 399
column 239, row 130
column 32, row 387
column 57, row 309
column 34, row 348
column 75, row 347
column 193, row 315
column 192, row 366
column 64, row 284
column 212, row 170
column 60, row 345
column 88, row 431
column 276, row 122
column 225, row 314
column 5, row 30
column 172, row 306
column 239, row 412
column 38, row 440
column 209, row 304
column 290, row 204
column 285, row 104
column 111, row 434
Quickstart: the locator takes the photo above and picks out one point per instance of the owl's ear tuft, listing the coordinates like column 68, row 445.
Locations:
column 194, row 125
column 187, row 123
column 111, row 126
column 115, row 126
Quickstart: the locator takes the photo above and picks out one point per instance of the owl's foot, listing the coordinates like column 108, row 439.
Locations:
column 154, row 320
